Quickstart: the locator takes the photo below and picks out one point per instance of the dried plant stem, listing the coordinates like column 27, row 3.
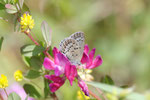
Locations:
column 54, row 96
column 93, row 95
column 5, row 92
column 101, row 93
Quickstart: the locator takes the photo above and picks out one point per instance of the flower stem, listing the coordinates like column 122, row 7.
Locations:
column 48, row 55
column 101, row 93
column 30, row 36
column 53, row 95
column 93, row 95
column 5, row 92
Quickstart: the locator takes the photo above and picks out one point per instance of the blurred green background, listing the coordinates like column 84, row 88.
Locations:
column 118, row 29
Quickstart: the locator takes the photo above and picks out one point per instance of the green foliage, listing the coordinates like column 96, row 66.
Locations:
column 46, row 88
column 32, row 74
column 14, row 96
column 31, row 91
column 35, row 63
column 11, row 9
column 46, row 32
column 21, row 2
column 107, row 80
column 2, row 6
column 111, row 89
column 26, row 60
column 50, row 51
column 17, row 25
column 31, row 50
column 1, row 41
column 25, row 8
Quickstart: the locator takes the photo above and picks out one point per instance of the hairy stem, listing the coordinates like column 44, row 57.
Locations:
column 30, row 36
column 93, row 95
column 101, row 93
column 5, row 92
column 54, row 96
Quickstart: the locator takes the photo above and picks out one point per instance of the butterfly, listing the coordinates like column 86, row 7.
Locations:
column 72, row 47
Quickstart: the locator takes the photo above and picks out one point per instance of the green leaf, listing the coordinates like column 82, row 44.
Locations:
column 2, row 6
column 31, row 74
column 107, row 79
column 11, row 9
column 36, row 63
column 16, row 25
column 46, row 31
column 31, row 91
column 14, row 96
column 25, row 8
column 31, row 50
column 21, row 2
column 1, row 41
column 26, row 60
column 111, row 89
column 46, row 88
column 50, row 51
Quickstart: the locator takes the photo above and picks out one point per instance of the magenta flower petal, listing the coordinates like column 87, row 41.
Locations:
column 55, row 52
column 83, row 87
column 48, row 64
column 91, row 54
column 85, row 58
column 63, row 61
column 59, row 70
column 86, row 49
column 57, row 82
column 54, row 86
column 97, row 62
column 71, row 73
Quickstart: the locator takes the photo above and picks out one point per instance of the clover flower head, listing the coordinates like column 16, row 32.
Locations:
column 3, row 81
column 18, row 75
column 80, row 96
column 27, row 23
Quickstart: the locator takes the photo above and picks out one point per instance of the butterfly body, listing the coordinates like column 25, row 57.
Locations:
column 72, row 47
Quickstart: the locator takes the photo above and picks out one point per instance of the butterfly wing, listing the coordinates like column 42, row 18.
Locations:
column 79, row 37
column 72, row 47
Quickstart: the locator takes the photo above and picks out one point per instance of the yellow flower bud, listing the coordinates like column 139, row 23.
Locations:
column 18, row 75
column 3, row 81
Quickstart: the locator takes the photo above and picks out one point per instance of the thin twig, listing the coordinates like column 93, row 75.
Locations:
column 30, row 36
column 100, row 92
column 5, row 92
column 54, row 96
column 93, row 95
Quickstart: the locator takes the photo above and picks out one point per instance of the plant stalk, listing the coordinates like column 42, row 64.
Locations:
column 93, row 95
